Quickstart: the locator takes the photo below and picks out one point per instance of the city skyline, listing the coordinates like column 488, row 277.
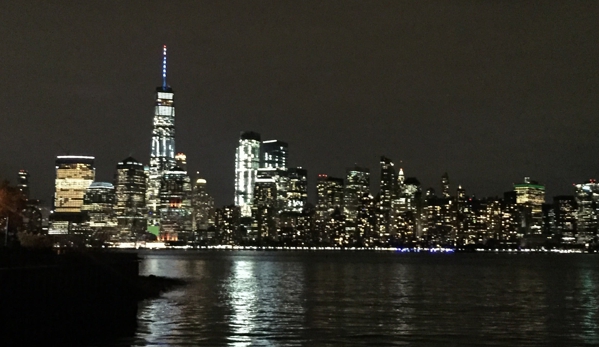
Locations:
column 488, row 113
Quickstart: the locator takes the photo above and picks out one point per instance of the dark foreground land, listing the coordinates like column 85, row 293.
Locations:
column 71, row 297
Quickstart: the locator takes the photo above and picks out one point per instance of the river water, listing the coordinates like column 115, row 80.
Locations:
column 251, row 298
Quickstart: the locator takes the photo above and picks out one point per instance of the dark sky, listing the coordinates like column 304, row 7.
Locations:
column 490, row 91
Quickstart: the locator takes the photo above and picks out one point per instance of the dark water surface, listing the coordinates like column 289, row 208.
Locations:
column 249, row 298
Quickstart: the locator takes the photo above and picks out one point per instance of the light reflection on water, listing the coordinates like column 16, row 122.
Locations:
column 301, row 298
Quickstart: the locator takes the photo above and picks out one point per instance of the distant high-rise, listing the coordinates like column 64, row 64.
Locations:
column 401, row 178
column 264, row 209
column 181, row 161
column 587, row 201
column 274, row 154
column 565, row 217
column 280, row 177
column 297, row 193
column 175, row 204
column 131, row 185
column 23, row 183
column 531, row 195
column 389, row 183
column 74, row 174
column 32, row 216
column 203, row 206
column 162, row 155
column 445, row 186
column 247, row 162
column 330, row 195
column 98, row 206
column 357, row 184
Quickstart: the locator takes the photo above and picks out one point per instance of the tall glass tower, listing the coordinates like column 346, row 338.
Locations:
column 358, row 184
column 162, row 156
column 247, row 162
column 388, row 190
column 274, row 154
column 130, row 187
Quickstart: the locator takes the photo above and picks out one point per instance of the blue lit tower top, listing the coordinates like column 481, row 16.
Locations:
column 164, row 68
column 163, row 135
column 162, row 156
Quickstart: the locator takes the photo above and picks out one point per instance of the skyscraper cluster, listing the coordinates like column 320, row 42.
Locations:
column 158, row 199
column 275, row 209
column 162, row 201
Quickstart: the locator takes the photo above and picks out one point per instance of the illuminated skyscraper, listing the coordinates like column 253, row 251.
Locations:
column 531, row 196
column 587, row 199
column 162, row 156
column 357, row 184
column 23, row 183
column 297, row 193
column 445, row 186
column 330, row 195
column 203, row 206
column 74, row 174
column 130, row 189
column 388, row 191
column 280, row 177
column 274, row 154
column 264, row 211
column 247, row 162
column 32, row 214
column 565, row 217
column 98, row 207
column 175, row 204
column 181, row 161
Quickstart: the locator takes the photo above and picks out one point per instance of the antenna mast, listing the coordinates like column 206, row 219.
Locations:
column 164, row 67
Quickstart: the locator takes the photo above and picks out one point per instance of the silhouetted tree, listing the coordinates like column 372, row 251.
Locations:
column 12, row 204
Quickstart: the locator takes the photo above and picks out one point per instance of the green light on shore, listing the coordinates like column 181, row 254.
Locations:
column 154, row 229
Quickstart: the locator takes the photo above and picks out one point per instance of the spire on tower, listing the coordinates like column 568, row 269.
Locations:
column 164, row 67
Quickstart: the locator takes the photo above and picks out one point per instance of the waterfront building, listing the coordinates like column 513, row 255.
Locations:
column 130, row 188
column 298, row 228
column 264, row 211
column 329, row 198
column 366, row 234
column 247, row 162
column 531, row 195
column 565, row 208
column 203, row 207
column 513, row 225
column 587, row 200
column 462, row 215
column 492, row 219
column 162, row 155
column 175, row 205
column 227, row 223
column 335, row 230
column 357, row 184
column 74, row 174
column 389, row 184
column 98, row 208
column 274, row 154
column 548, row 220
column 280, row 177
column 407, row 209
column 297, row 192
column 432, row 217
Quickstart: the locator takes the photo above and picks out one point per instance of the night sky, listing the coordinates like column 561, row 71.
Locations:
column 489, row 91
